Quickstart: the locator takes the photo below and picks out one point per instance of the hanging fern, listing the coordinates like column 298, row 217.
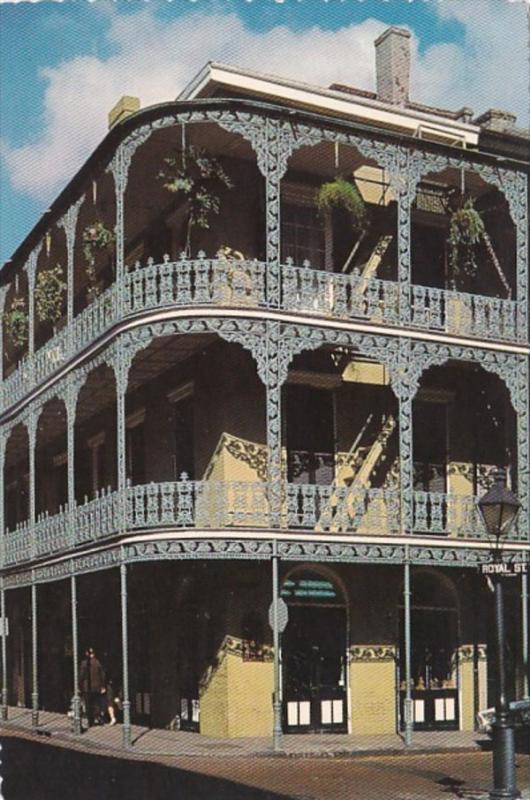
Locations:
column 340, row 193
column 197, row 177
column 17, row 322
column 95, row 237
column 49, row 294
column 466, row 230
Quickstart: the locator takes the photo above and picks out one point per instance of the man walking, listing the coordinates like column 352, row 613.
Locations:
column 92, row 684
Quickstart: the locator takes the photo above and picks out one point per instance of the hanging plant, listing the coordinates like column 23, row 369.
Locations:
column 49, row 294
column 17, row 322
column 342, row 194
column 466, row 230
column 96, row 237
column 197, row 177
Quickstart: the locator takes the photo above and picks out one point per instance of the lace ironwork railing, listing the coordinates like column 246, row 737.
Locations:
column 199, row 281
column 440, row 514
column 465, row 314
column 339, row 296
column 188, row 504
column 242, row 283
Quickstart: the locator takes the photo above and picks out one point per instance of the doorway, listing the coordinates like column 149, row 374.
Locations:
column 314, row 655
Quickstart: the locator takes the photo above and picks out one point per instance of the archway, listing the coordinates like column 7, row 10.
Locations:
column 314, row 653
column 434, row 653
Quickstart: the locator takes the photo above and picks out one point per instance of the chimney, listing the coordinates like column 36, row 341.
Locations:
column 496, row 120
column 392, row 66
column 124, row 108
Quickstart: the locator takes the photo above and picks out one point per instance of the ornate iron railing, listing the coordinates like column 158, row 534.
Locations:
column 465, row 314
column 230, row 282
column 207, row 505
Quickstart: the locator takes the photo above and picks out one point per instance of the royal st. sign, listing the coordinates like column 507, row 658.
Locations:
column 504, row 569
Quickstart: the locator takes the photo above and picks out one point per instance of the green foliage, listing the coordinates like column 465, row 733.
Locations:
column 17, row 322
column 197, row 177
column 49, row 293
column 95, row 237
column 340, row 193
column 466, row 229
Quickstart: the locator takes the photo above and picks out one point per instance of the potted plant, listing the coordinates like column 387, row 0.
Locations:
column 17, row 323
column 96, row 237
column 49, row 294
column 466, row 230
column 342, row 195
column 197, row 177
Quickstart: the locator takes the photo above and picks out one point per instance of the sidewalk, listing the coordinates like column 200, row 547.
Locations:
column 157, row 742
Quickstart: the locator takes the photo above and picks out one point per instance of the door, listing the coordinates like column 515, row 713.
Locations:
column 314, row 669
column 434, row 669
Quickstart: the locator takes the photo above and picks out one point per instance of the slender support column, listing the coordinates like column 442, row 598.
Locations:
column 504, row 779
column 524, row 626
column 32, row 423
column 3, row 444
column 125, row 659
column 272, row 371
column 34, row 658
column 408, row 671
column 4, row 654
column 276, row 698
column 404, row 389
column 75, row 658
column 403, row 188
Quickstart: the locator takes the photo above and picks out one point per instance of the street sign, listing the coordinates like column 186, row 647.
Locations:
column 283, row 614
column 504, row 569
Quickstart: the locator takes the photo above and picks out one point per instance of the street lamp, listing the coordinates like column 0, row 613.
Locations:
column 499, row 508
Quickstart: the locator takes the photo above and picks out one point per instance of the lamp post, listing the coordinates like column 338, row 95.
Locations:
column 499, row 508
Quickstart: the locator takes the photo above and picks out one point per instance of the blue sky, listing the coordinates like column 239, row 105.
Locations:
column 63, row 65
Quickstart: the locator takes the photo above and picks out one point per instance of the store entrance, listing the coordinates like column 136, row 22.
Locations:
column 313, row 657
column 434, row 657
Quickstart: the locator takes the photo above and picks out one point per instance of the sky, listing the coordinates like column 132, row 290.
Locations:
column 63, row 65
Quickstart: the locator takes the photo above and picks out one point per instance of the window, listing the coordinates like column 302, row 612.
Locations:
column 184, row 456
column 303, row 236
column 136, row 447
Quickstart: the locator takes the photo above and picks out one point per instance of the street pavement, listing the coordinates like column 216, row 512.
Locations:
column 38, row 769
column 52, row 763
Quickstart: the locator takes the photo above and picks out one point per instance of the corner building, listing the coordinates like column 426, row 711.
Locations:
column 238, row 382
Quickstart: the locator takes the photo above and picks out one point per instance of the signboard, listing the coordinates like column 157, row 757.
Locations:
column 283, row 614
column 4, row 626
column 504, row 569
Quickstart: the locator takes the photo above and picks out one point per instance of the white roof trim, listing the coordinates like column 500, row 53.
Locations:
column 331, row 101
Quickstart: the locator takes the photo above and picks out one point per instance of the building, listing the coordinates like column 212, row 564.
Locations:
column 268, row 333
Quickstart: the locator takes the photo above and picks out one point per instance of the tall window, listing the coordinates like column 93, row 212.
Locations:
column 184, row 455
column 136, row 447
column 303, row 235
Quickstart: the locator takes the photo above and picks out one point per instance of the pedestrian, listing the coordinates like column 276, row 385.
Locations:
column 92, row 683
column 110, row 702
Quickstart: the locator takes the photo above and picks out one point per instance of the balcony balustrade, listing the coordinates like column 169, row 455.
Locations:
column 231, row 282
column 215, row 505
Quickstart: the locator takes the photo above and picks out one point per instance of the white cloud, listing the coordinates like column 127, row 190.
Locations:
column 155, row 60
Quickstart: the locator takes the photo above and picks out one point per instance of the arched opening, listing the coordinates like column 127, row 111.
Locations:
column 435, row 636
column 314, row 663
column 51, row 459
column 194, row 187
column 95, row 242
column 462, row 235
column 16, row 478
column 51, row 286
column 95, row 435
column 340, row 438
column 464, row 427
column 15, row 323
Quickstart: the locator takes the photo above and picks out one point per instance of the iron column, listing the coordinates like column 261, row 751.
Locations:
column 125, row 659
column 276, row 698
column 75, row 657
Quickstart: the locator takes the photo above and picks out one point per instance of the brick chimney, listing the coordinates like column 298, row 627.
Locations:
column 125, row 106
column 392, row 65
column 496, row 120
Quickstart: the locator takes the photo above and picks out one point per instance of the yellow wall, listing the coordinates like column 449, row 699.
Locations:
column 373, row 682
column 236, row 700
column 467, row 684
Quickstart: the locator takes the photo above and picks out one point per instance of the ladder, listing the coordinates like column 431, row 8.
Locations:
column 342, row 508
